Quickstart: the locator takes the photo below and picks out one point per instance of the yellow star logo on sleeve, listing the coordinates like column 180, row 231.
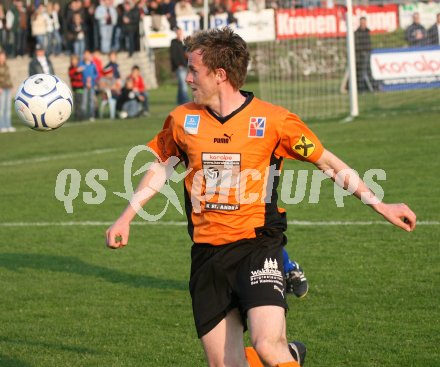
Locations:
column 304, row 147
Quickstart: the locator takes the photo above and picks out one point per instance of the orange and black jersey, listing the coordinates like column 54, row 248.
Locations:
column 230, row 191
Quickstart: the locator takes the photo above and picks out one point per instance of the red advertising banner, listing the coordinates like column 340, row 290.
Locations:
column 300, row 23
column 380, row 19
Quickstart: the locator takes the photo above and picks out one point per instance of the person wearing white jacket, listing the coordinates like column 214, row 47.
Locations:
column 39, row 26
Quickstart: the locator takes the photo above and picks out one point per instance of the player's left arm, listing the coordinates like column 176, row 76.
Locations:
column 398, row 214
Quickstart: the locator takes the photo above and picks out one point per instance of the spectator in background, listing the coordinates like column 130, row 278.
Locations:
column 111, row 79
column 110, row 85
column 90, row 28
column 434, row 32
column 167, row 9
column 238, row 5
column 11, row 25
column 57, row 39
column 179, row 62
column 20, row 36
column 216, row 7
column 71, row 9
column 5, row 95
column 142, row 7
column 113, row 66
column 130, row 26
column 39, row 26
column 183, row 8
column 219, row 8
column 40, row 63
column 77, row 84
column 415, row 34
column 256, row 5
column 155, row 12
column 90, row 76
column 74, row 6
column 129, row 103
column 97, row 59
column 107, row 17
column 117, row 41
column 49, row 28
column 140, row 88
column 362, row 41
column 76, row 29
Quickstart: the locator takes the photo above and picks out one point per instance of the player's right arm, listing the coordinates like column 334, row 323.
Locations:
column 153, row 180
column 160, row 171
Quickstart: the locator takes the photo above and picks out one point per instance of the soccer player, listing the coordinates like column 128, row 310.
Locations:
column 233, row 145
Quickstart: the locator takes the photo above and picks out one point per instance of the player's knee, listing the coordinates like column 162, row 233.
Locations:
column 269, row 349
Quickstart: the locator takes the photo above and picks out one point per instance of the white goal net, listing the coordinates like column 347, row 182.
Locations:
column 397, row 68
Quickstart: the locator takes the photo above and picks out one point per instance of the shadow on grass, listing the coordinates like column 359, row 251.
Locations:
column 12, row 362
column 73, row 265
column 41, row 344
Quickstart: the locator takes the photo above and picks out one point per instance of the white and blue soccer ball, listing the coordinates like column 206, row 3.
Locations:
column 43, row 102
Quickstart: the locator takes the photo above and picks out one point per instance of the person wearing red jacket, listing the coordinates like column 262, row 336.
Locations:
column 97, row 60
column 140, row 87
column 77, row 84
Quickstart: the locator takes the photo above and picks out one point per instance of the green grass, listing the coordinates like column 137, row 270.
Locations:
column 68, row 301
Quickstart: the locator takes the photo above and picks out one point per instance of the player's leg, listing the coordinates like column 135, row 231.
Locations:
column 218, row 322
column 296, row 282
column 297, row 350
column 223, row 345
column 267, row 326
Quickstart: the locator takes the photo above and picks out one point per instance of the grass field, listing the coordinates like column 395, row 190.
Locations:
column 68, row 301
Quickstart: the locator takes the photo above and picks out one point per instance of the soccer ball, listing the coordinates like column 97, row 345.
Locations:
column 43, row 102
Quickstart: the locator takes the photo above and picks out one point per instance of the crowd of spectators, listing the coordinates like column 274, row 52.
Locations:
column 113, row 25
column 93, row 81
column 107, row 25
column 80, row 25
column 417, row 35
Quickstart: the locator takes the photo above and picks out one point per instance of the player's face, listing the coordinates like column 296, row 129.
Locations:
column 201, row 80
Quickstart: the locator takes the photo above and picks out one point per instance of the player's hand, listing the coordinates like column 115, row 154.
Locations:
column 117, row 235
column 399, row 215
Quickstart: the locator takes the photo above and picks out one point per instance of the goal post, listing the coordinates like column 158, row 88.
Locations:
column 354, row 106
column 325, row 65
column 302, row 70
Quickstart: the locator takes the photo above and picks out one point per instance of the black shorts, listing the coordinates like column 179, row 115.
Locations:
column 244, row 274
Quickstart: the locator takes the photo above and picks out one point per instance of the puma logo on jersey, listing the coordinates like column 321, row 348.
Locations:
column 227, row 138
column 279, row 290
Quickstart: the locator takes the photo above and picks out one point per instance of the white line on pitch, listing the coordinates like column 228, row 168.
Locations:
column 55, row 157
column 182, row 223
